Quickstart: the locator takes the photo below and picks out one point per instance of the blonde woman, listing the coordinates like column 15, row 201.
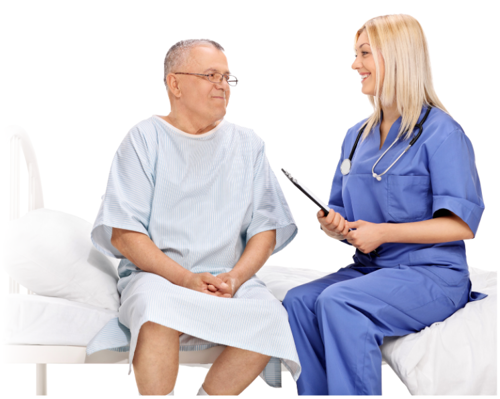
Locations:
column 405, row 194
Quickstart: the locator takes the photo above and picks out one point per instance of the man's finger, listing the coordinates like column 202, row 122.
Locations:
column 212, row 288
column 210, row 293
column 216, row 282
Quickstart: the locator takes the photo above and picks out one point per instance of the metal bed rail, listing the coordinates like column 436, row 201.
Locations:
column 19, row 139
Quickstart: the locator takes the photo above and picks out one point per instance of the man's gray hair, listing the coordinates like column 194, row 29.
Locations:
column 178, row 53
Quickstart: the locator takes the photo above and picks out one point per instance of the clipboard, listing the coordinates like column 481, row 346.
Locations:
column 307, row 192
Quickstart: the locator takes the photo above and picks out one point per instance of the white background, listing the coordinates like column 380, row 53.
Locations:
column 78, row 75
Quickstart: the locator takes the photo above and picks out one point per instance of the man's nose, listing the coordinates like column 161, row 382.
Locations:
column 222, row 85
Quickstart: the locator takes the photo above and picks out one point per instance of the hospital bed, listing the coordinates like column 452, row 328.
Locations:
column 456, row 356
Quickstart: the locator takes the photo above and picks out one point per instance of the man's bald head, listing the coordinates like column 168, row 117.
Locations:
column 178, row 55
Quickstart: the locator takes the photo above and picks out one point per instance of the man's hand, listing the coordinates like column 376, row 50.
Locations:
column 208, row 284
column 367, row 236
column 233, row 284
column 334, row 225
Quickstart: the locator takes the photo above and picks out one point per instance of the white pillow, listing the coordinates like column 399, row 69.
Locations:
column 51, row 254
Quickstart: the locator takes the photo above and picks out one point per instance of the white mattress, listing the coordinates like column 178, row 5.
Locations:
column 456, row 356
column 35, row 319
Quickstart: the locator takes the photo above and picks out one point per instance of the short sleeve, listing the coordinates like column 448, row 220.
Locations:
column 454, row 179
column 270, row 210
column 129, row 193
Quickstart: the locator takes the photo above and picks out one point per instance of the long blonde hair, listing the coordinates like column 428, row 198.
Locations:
column 408, row 80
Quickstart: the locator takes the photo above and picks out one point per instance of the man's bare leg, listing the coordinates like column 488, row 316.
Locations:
column 233, row 371
column 156, row 359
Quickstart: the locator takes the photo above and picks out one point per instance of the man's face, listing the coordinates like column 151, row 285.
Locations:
column 201, row 97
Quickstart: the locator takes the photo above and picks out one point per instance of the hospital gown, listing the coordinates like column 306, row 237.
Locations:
column 340, row 321
column 200, row 198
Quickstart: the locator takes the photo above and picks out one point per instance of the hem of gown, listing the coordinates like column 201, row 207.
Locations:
column 133, row 344
column 182, row 348
column 102, row 224
column 285, row 243
column 292, row 236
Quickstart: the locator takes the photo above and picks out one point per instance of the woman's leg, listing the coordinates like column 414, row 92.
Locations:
column 300, row 305
column 233, row 371
column 156, row 359
column 354, row 317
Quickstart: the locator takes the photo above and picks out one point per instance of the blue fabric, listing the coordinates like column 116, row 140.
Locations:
column 437, row 173
column 339, row 321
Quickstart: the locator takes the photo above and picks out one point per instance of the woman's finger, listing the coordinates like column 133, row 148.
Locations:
column 331, row 216
column 341, row 225
column 355, row 224
column 345, row 232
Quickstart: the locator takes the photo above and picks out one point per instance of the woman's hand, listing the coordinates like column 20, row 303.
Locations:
column 367, row 236
column 208, row 284
column 334, row 225
column 232, row 282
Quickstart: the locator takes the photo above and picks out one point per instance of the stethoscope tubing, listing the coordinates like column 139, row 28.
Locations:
column 419, row 126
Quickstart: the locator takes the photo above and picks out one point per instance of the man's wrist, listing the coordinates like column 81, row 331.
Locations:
column 236, row 275
column 183, row 279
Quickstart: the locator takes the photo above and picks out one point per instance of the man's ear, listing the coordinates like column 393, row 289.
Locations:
column 173, row 85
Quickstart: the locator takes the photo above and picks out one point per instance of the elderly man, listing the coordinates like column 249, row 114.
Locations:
column 194, row 210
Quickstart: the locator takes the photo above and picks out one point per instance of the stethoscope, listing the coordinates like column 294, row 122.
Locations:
column 345, row 167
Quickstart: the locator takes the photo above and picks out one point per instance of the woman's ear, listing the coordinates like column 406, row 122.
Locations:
column 173, row 85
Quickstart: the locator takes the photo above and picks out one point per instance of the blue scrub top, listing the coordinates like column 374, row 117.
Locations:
column 438, row 172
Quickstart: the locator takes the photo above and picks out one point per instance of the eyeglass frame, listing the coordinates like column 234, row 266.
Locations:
column 207, row 75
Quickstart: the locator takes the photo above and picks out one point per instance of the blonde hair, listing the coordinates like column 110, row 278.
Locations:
column 407, row 80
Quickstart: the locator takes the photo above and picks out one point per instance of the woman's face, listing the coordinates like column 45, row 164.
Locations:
column 365, row 65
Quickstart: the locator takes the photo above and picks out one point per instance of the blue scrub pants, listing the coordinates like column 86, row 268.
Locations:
column 339, row 321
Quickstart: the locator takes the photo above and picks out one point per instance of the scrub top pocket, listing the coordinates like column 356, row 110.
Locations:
column 409, row 198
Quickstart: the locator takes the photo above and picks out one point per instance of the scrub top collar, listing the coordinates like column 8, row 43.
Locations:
column 393, row 131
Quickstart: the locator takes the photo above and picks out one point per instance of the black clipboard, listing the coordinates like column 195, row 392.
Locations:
column 307, row 192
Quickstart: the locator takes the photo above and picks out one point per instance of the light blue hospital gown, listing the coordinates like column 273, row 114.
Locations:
column 200, row 198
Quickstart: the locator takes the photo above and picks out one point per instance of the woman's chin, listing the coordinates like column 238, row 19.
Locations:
column 367, row 91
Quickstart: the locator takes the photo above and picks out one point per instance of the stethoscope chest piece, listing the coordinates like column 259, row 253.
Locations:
column 345, row 167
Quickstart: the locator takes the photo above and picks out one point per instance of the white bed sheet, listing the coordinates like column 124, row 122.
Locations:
column 36, row 319
column 456, row 356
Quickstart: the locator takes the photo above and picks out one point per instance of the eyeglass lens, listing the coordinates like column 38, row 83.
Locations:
column 217, row 78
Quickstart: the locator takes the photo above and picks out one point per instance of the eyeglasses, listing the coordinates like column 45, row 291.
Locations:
column 214, row 77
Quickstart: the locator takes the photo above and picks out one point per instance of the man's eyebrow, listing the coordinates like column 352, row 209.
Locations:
column 215, row 70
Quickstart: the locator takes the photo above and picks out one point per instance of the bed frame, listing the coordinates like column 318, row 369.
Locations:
column 42, row 355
